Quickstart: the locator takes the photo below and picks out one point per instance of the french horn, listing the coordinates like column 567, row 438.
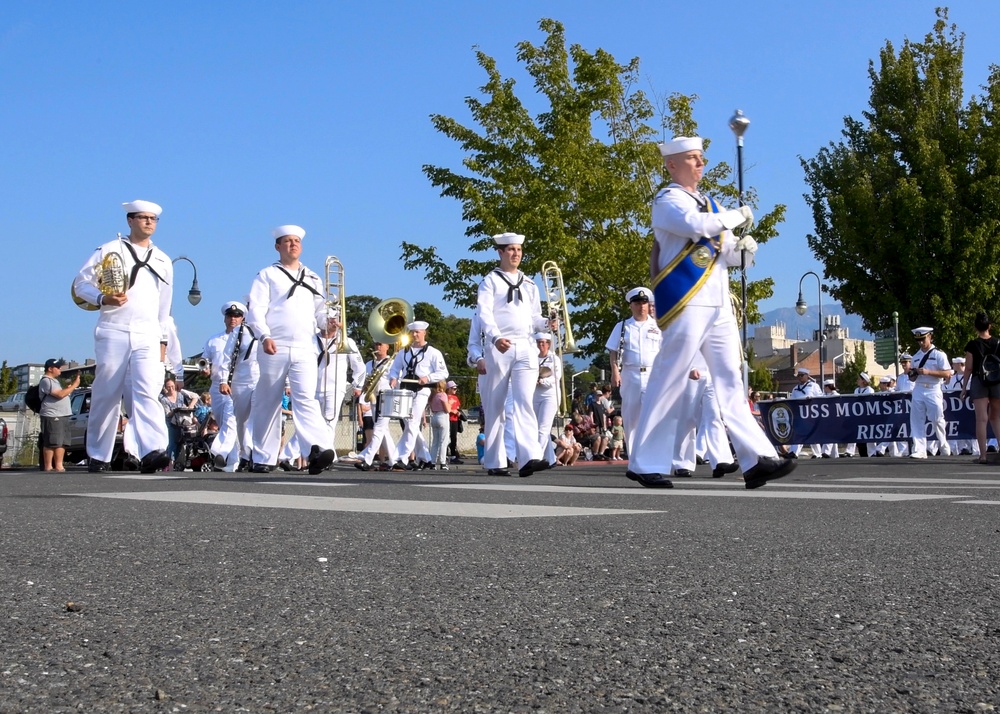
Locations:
column 111, row 280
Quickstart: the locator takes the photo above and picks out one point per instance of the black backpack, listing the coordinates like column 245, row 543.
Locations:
column 991, row 370
column 33, row 399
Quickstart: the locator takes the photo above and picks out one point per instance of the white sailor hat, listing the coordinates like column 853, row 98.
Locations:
column 885, row 379
column 417, row 325
column 289, row 230
column 332, row 312
column 829, row 383
column 543, row 336
column 864, row 376
column 921, row 331
column 233, row 305
column 958, row 360
column 508, row 239
column 802, row 370
column 142, row 206
column 905, row 357
column 639, row 294
column 681, row 144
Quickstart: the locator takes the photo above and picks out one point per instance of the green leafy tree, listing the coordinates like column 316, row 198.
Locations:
column 576, row 179
column 906, row 205
column 759, row 377
column 8, row 382
column 847, row 380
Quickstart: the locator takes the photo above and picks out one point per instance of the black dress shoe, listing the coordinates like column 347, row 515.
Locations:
column 683, row 473
column 154, row 461
column 498, row 472
column 244, row 466
column 261, row 469
column 767, row 469
column 700, row 461
column 96, row 466
column 319, row 459
column 721, row 470
column 650, row 480
column 285, row 465
column 457, row 460
column 362, row 466
column 426, row 466
column 400, row 466
column 532, row 466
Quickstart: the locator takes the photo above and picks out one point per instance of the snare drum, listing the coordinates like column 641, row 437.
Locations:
column 395, row 403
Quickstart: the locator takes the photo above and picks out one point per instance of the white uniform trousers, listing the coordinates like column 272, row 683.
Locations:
column 713, row 332
column 831, row 451
column 412, row 440
column 380, row 433
column 514, row 372
column 126, row 361
column 712, row 429
column 702, row 421
column 632, row 388
column 331, row 401
column 298, row 365
column 510, row 448
column 226, row 442
column 546, row 403
column 243, row 413
column 927, row 405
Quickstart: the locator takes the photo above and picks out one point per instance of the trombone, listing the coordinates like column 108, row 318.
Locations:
column 336, row 297
column 555, row 298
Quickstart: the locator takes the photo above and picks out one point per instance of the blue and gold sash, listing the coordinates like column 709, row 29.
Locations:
column 677, row 283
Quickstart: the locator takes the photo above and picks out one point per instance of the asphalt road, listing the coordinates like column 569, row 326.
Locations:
column 855, row 585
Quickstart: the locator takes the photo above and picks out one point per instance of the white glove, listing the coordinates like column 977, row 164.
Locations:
column 747, row 218
column 747, row 243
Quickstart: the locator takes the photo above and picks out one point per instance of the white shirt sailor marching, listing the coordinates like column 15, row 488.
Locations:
column 633, row 344
column 510, row 313
column 419, row 362
column 927, row 401
column 807, row 388
column 287, row 307
column 133, row 329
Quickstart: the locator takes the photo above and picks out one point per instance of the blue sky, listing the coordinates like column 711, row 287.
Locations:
column 237, row 117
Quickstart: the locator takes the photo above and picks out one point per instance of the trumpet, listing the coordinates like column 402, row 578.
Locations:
column 336, row 298
column 555, row 299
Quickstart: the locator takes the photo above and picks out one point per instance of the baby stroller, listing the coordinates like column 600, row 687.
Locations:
column 194, row 449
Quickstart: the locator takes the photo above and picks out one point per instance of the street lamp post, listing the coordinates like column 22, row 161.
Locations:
column 194, row 294
column 800, row 307
column 739, row 123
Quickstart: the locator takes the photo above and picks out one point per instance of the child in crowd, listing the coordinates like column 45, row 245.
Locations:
column 617, row 438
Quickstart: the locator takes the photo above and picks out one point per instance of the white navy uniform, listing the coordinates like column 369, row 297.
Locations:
column 701, row 420
column 707, row 325
column 807, row 390
column 927, row 403
column 637, row 344
column 852, row 448
column 380, row 429
column 476, row 352
column 416, row 362
column 226, row 442
column 243, row 383
column 545, row 402
column 127, row 348
column 288, row 307
column 509, row 308
column 332, row 383
column 831, row 451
